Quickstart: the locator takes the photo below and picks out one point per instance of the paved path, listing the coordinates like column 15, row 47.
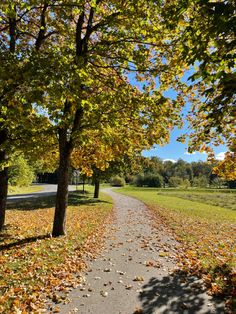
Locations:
column 47, row 190
column 133, row 273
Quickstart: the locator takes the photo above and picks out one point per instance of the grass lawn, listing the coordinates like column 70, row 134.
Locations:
column 207, row 232
column 217, row 198
column 32, row 264
column 23, row 190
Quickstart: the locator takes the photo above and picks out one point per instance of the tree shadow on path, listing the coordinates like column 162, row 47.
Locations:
column 178, row 293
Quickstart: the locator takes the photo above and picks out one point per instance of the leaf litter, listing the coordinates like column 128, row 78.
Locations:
column 34, row 266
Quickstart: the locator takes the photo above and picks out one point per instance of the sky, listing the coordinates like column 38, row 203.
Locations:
column 175, row 150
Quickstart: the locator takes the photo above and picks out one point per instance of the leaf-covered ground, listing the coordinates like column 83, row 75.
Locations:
column 207, row 233
column 33, row 265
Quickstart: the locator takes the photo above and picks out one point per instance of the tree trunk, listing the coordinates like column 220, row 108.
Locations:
column 3, row 192
column 3, row 179
column 62, row 187
column 83, row 185
column 96, row 188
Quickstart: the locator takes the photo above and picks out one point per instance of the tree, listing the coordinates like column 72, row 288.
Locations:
column 183, row 170
column 112, row 151
column 88, row 86
column 168, row 170
column 151, row 165
column 204, row 38
column 226, row 169
column 20, row 172
column 201, row 168
column 19, row 122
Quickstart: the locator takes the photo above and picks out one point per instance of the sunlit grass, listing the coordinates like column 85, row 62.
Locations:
column 222, row 199
column 23, row 190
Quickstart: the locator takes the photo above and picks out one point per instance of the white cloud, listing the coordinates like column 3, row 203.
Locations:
column 193, row 153
column 172, row 160
column 187, row 153
column 220, row 156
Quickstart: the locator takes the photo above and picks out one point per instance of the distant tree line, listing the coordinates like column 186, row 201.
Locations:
column 154, row 172
column 140, row 171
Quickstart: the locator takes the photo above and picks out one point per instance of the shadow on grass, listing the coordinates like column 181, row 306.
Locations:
column 21, row 241
column 76, row 198
column 177, row 293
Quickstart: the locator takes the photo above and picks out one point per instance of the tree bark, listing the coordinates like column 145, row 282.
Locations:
column 62, row 187
column 96, row 188
column 83, row 185
column 3, row 179
column 3, row 191
column 4, row 135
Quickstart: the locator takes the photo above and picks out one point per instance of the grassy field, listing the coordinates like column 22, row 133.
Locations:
column 23, row 190
column 34, row 265
column 215, row 197
column 207, row 232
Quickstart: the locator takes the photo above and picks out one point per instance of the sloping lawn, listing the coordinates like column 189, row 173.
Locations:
column 207, row 233
column 33, row 265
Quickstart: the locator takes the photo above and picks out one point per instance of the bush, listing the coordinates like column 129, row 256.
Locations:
column 20, row 173
column 174, row 182
column 117, row 181
column 150, row 180
column 139, row 180
column 153, row 180
column 186, row 184
column 200, row 182
column 129, row 178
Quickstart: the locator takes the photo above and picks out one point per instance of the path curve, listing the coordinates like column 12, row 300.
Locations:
column 133, row 273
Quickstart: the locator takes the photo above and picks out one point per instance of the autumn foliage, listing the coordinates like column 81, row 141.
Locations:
column 227, row 168
column 33, row 264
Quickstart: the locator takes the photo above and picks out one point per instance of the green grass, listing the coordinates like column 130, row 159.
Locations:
column 219, row 198
column 23, row 190
column 207, row 232
column 188, row 203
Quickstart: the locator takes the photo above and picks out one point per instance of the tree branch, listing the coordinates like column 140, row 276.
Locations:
column 12, row 32
column 78, row 35
column 42, row 30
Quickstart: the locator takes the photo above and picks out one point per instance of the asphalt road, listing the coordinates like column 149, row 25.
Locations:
column 47, row 190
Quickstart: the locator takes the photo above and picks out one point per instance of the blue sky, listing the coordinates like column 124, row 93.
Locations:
column 175, row 150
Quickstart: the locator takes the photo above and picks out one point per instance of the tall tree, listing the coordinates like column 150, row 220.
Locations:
column 79, row 54
column 20, row 42
column 98, row 43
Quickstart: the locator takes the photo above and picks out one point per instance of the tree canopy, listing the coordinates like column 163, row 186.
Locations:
column 64, row 78
column 204, row 41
